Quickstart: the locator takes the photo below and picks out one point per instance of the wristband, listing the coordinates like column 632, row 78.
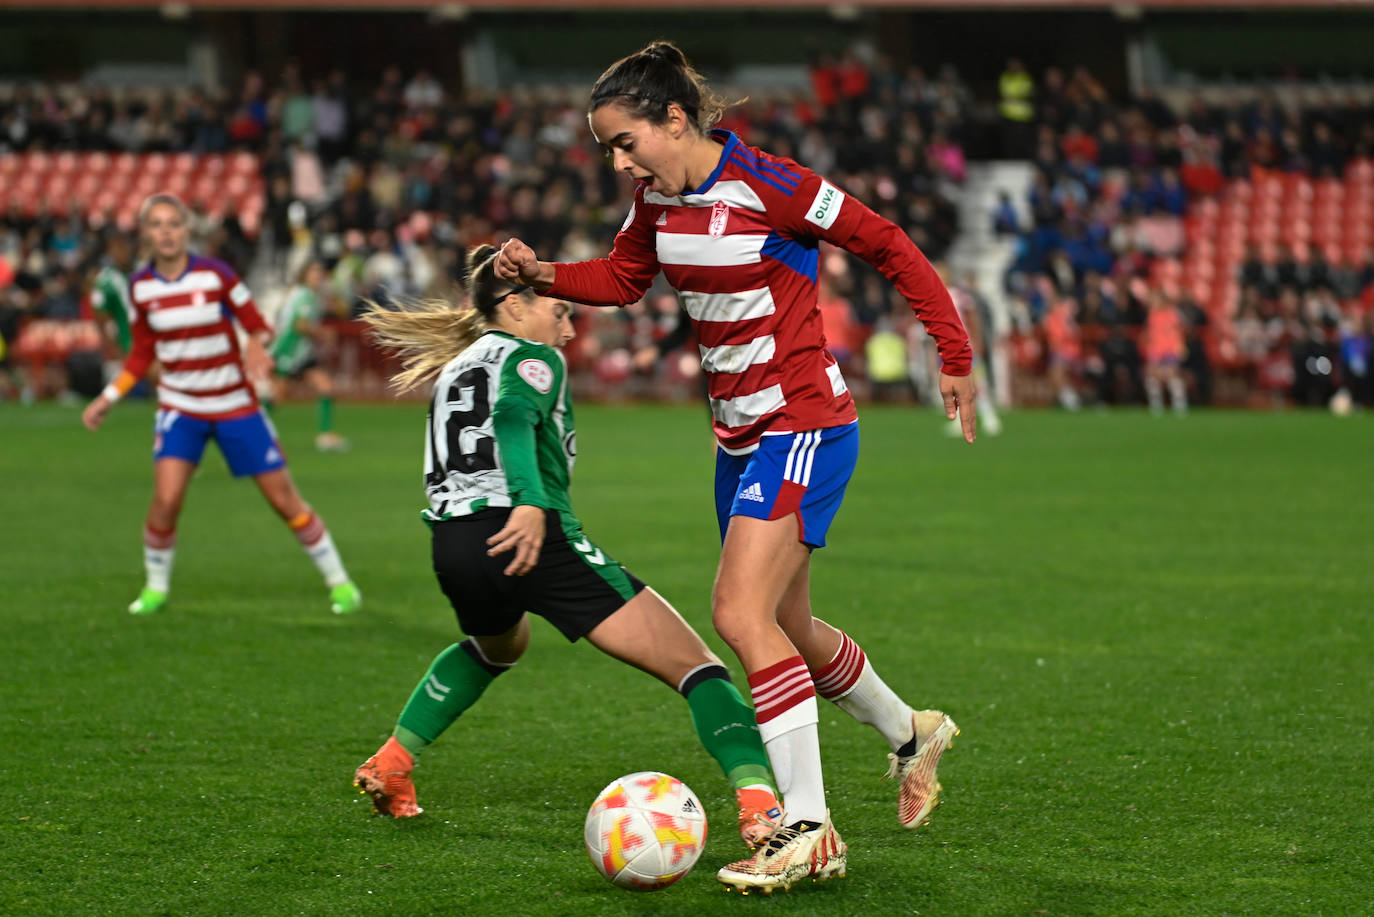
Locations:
column 111, row 393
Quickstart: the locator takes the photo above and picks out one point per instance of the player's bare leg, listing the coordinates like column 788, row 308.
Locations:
column 171, row 477
column 281, row 492
column 760, row 560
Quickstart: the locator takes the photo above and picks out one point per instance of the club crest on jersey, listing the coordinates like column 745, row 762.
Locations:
column 537, row 373
column 720, row 213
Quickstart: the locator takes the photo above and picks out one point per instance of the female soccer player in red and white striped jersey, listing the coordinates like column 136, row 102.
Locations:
column 736, row 231
column 186, row 307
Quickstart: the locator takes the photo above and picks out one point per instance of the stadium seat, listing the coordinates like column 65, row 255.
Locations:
column 87, row 186
column 36, row 162
column 175, row 183
column 96, row 163
column 1239, row 189
column 211, row 166
column 245, row 164
column 147, row 183
column 153, row 164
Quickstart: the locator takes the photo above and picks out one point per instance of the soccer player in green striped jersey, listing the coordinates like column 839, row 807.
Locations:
column 499, row 452
column 294, row 355
column 110, row 291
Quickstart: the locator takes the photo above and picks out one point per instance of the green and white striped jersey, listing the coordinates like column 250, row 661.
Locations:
column 110, row 294
column 500, row 429
column 291, row 347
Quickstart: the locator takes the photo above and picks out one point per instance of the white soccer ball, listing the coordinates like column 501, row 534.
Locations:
column 1341, row 403
column 645, row 831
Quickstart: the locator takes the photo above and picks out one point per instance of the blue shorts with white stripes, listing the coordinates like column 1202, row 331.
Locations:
column 801, row 473
column 249, row 443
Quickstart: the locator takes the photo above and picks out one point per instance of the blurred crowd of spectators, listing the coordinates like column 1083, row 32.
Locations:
column 1104, row 228
column 389, row 183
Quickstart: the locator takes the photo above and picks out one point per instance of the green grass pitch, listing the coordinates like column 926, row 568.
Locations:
column 1155, row 633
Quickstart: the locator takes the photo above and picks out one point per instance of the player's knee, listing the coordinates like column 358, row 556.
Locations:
column 163, row 511
column 732, row 619
column 504, row 649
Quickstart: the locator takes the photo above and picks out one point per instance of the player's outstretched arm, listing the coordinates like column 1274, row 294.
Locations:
column 961, row 395
column 517, row 263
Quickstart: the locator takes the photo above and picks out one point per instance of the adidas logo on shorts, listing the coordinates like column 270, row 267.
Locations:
column 752, row 492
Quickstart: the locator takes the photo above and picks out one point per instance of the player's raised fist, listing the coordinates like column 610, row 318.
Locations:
column 516, row 262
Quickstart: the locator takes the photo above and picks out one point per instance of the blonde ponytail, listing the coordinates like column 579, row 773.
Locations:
column 428, row 333
column 425, row 335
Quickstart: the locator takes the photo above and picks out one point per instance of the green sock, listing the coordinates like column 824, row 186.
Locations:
column 325, row 408
column 725, row 724
column 410, row 741
column 453, row 683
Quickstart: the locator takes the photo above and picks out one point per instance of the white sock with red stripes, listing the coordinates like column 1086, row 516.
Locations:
column 159, row 549
column 314, row 537
column 849, row 681
column 785, row 707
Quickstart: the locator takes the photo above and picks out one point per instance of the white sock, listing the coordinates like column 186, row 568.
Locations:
column 159, row 549
column 785, row 707
column 1178, row 393
column 1155, row 393
column 314, row 537
column 850, row 682
column 988, row 411
column 796, row 760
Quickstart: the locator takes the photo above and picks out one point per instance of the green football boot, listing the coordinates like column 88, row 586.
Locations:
column 149, row 601
column 345, row 599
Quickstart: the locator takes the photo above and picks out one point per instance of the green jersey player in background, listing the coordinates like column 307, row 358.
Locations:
column 499, row 450
column 110, row 301
column 299, row 326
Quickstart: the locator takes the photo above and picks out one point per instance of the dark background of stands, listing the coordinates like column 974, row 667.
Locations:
column 1237, row 43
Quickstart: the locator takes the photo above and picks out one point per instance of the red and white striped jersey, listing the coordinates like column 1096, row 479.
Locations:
column 187, row 325
column 741, row 250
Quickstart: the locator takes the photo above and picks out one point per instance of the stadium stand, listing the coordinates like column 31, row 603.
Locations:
column 1252, row 209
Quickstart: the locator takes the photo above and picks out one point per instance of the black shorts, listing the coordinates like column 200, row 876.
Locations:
column 574, row 586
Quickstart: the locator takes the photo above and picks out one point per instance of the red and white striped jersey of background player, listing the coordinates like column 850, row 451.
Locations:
column 742, row 252
column 187, row 324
